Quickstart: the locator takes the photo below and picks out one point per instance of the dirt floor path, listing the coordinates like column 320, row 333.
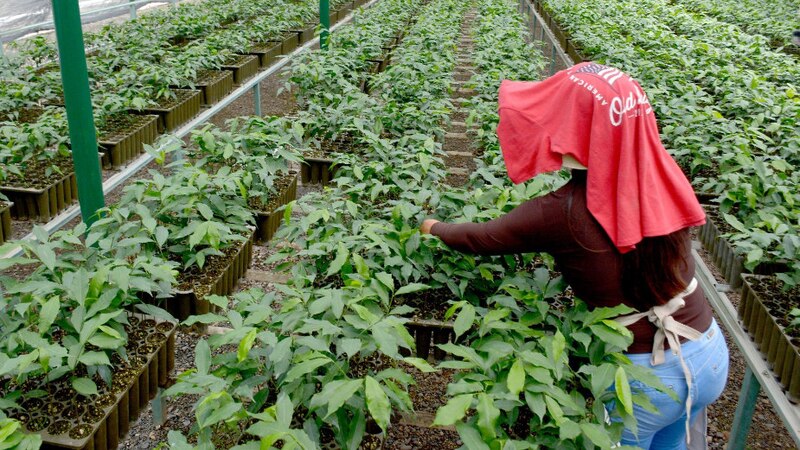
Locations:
column 457, row 143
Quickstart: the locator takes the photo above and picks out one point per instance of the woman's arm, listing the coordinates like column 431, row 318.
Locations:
column 519, row 231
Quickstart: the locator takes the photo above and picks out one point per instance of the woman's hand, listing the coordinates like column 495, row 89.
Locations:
column 426, row 226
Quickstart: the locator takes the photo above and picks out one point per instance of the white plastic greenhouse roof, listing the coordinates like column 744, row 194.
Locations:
column 15, row 14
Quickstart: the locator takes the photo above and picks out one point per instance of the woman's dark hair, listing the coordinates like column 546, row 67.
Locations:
column 651, row 273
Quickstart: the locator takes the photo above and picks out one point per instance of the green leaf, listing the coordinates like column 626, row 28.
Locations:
column 215, row 414
column 95, row 359
column 516, row 378
column 464, row 320
column 202, row 357
column 162, row 233
column 46, row 255
column 597, row 434
column 377, row 402
column 487, row 415
column 246, row 344
column 602, row 377
column 305, row 367
column 349, row 346
column 155, row 311
column 735, row 223
column 454, row 410
column 623, row 390
column 555, row 409
column 470, row 437
column 411, row 288
column 386, row 279
column 48, row 314
column 420, row 364
column 335, row 394
column 287, row 212
column 341, row 258
column 84, row 386
column 205, row 211
column 568, row 430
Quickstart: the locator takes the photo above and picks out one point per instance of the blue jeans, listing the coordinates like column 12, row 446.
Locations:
column 707, row 359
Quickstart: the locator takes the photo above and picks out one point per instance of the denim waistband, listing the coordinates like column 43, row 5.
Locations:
column 708, row 338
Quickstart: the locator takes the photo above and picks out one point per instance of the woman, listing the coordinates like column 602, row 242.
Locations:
column 618, row 230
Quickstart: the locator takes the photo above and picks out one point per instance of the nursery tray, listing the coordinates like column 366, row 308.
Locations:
column 118, row 149
column 429, row 333
column 187, row 105
column 722, row 252
column 291, row 40
column 267, row 223
column 304, row 34
column 243, row 68
column 42, row 204
column 5, row 222
column 267, row 53
column 317, row 171
column 781, row 352
column 102, row 421
column 215, row 85
column 187, row 303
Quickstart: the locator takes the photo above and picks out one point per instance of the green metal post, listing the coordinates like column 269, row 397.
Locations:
column 743, row 416
column 75, row 78
column 325, row 22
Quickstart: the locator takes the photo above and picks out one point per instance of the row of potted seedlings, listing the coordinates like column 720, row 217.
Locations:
column 78, row 361
column 361, row 372
column 321, row 79
column 188, row 234
column 753, row 228
column 125, row 84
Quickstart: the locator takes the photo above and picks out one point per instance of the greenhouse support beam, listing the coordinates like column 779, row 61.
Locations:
column 257, row 99
column 121, row 177
column 325, row 23
column 745, row 408
column 78, row 102
column 756, row 365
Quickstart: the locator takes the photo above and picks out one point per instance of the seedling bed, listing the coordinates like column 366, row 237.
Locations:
column 172, row 113
column 317, row 170
column 126, row 137
column 45, row 202
column 5, row 222
column 243, row 67
column 66, row 420
column 267, row 52
column 26, row 115
column 304, row 34
column 291, row 40
column 764, row 311
column 214, row 85
column 318, row 167
column 722, row 252
column 267, row 219
column 220, row 279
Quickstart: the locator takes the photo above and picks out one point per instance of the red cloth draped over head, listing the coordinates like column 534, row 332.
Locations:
column 601, row 117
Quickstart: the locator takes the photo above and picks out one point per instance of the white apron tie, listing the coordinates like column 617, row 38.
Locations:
column 667, row 326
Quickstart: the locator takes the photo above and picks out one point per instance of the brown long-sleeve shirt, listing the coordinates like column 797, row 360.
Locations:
column 582, row 251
